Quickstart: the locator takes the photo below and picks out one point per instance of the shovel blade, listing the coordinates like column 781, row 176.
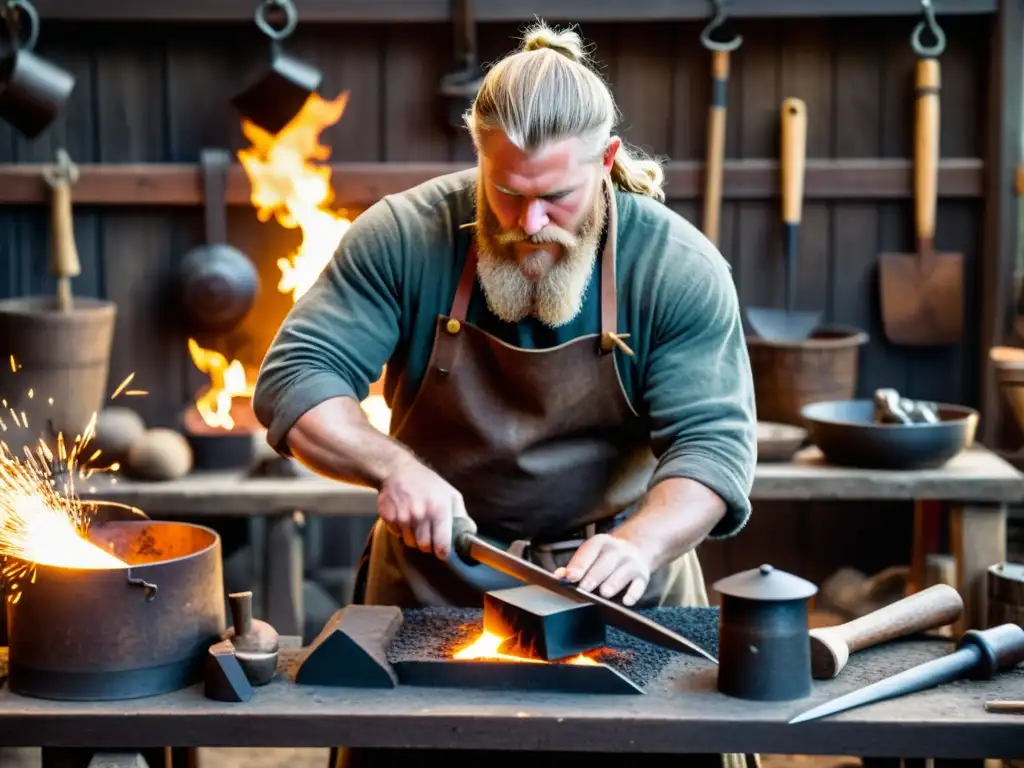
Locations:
column 922, row 306
column 780, row 325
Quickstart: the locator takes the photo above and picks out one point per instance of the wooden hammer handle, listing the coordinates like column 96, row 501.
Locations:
column 926, row 147
column 793, row 158
column 64, row 262
column 930, row 608
column 716, row 144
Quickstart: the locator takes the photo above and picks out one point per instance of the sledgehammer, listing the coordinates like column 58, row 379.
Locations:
column 930, row 608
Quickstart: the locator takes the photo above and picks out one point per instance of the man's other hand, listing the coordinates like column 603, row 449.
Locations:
column 418, row 505
column 609, row 565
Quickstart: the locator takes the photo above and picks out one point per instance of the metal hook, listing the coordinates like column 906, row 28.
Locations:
column 713, row 25
column 933, row 26
column 291, row 19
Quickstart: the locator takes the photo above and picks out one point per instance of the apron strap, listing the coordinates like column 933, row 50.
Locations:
column 465, row 288
column 609, row 297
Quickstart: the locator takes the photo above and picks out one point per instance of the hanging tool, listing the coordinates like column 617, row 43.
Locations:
column 979, row 654
column 33, row 90
column 460, row 86
column 474, row 550
column 64, row 261
column 922, row 293
column 788, row 324
column 276, row 94
column 930, row 608
column 716, row 118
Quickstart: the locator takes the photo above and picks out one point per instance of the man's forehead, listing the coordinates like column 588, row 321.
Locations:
column 553, row 166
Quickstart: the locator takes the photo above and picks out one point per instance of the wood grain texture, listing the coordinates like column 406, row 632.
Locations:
column 680, row 713
column 977, row 475
column 407, row 11
column 928, row 609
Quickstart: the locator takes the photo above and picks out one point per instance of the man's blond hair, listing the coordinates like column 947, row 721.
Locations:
column 547, row 91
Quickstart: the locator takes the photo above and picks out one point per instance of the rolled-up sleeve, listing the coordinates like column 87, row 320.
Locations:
column 338, row 336
column 698, row 386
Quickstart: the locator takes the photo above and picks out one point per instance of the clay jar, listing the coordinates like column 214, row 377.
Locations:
column 256, row 643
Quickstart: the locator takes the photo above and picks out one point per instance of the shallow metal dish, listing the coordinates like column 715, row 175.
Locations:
column 847, row 435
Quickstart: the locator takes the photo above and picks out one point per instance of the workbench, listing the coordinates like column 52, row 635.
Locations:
column 977, row 484
column 680, row 712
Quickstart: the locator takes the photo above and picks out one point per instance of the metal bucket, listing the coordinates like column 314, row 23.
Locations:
column 123, row 633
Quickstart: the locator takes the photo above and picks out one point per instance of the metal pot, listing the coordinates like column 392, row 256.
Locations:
column 764, row 643
column 218, row 282
column 97, row 635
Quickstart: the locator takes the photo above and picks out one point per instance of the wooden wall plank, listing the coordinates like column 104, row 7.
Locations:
column 160, row 94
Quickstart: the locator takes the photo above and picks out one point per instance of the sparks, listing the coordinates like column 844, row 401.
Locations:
column 43, row 522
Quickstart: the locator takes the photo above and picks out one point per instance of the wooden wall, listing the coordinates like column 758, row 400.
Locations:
column 159, row 93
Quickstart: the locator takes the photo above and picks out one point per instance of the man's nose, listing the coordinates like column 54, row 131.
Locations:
column 533, row 218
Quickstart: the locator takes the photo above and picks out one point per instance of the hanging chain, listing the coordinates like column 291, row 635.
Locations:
column 929, row 22
column 716, row 23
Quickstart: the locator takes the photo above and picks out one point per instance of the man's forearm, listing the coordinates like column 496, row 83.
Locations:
column 336, row 440
column 676, row 515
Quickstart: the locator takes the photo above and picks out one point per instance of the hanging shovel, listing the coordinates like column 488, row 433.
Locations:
column 459, row 87
column 923, row 292
column 787, row 324
column 716, row 119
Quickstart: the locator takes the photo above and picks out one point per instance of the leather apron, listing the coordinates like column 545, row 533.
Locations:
column 545, row 448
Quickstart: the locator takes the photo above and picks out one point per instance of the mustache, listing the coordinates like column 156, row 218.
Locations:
column 550, row 234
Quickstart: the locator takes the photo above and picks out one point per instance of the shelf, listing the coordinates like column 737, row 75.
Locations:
column 360, row 184
column 419, row 11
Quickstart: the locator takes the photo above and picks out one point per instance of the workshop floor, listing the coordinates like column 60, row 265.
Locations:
column 317, row 758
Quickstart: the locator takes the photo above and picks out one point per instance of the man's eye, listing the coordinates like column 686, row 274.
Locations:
column 556, row 196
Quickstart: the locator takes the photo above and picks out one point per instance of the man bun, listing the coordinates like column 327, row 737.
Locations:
column 565, row 42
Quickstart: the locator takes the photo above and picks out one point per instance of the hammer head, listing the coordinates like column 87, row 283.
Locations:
column 829, row 653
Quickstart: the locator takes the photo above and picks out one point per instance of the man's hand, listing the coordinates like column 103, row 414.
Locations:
column 609, row 564
column 418, row 505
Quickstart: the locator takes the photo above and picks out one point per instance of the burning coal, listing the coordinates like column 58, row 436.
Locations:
column 487, row 647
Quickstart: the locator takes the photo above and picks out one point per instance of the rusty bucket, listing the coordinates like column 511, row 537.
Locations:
column 62, row 360
column 790, row 375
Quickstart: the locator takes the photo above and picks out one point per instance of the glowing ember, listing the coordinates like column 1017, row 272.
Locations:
column 486, row 647
column 42, row 520
column 227, row 381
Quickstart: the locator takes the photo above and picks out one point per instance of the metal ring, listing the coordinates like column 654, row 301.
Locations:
column 291, row 19
column 717, row 21
column 932, row 25
column 26, row 8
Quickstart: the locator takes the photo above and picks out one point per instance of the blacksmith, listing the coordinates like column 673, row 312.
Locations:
column 566, row 362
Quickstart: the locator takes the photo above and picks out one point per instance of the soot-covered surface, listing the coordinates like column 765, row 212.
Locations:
column 431, row 634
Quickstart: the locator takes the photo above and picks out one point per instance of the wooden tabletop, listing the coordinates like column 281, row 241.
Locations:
column 681, row 712
column 976, row 476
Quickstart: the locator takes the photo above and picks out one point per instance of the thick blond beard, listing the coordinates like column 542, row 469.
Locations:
column 556, row 298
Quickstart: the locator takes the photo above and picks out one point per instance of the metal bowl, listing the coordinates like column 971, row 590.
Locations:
column 847, row 435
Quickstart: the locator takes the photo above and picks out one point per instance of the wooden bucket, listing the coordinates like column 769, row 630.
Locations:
column 62, row 361
column 790, row 375
column 1005, row 595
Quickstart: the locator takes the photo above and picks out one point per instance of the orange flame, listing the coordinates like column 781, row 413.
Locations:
column 227, row 381
column 486, row 647
column 287, row 186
